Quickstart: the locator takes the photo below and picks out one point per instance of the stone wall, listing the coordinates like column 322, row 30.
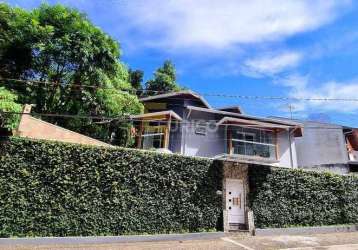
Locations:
column 234, row 170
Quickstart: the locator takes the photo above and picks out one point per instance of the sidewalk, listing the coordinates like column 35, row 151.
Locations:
column 329, row 241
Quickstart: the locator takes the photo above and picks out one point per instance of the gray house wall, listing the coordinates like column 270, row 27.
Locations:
column 178, row 133
column 209, row 145
column 185, row 140
column 322, row 147
column 286, row 154
column 215, row 141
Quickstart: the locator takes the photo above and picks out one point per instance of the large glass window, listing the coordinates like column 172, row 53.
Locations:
column 252, row 142
column 153, row 136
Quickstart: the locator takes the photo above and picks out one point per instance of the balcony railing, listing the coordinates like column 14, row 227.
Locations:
column 252, row 143
column 249, row 148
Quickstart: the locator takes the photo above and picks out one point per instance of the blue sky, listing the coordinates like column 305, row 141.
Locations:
column 303, row 48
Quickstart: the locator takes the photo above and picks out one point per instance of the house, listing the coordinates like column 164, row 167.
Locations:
column 33, row 128
column 185, row 123
column 327, row 147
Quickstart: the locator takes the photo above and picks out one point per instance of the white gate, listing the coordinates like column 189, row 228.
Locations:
column 235, row 201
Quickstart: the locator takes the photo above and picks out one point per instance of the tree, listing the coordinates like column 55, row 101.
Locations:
column 136, row 78
column 59, row 45
column 16, row 39
column 8, row 104
column 164, row 80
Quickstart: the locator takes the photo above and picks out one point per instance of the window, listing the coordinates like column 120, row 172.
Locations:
column 200, row 128
column 153, row 137
column 252, row 142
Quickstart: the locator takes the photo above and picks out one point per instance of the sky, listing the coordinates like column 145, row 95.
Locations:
column 281, row 48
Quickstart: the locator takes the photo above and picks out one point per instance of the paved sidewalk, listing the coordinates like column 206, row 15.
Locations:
column 110, row 239
column 313, row 241
column 331, row 241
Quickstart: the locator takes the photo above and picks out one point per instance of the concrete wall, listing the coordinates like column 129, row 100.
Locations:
column 209, row 145
column 33, row 128
column 285, row 153
column 321, row 144
column 175, row 137
column 332, row 168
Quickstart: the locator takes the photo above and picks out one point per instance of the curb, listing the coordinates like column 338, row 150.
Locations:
column 306, row 230
column 110, row 239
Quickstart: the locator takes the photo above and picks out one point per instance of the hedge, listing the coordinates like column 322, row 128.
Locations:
column 58, row 189
column 285, row 197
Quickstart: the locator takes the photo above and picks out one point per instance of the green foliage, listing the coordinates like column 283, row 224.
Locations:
column 8, row 104
column 136, row 78
column 53, row 189
column 16, row 39
column 284, row 197
column 60, row 45
column 164, row 80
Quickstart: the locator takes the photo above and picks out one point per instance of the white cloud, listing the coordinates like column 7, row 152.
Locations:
column 301, row 87
column 221, row 24
column 271, row 64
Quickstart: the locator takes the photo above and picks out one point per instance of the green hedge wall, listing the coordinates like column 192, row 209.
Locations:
column 54, row 189
column 283, row 197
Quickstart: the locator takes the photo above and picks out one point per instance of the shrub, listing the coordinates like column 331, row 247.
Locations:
column 285, row 197
column 58, row 189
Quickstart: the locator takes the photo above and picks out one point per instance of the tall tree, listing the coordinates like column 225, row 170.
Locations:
column 164, row 80
column 136, row 78
column 60, row 45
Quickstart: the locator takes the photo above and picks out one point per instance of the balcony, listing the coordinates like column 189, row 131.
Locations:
column 153, row 129
column 252, row 144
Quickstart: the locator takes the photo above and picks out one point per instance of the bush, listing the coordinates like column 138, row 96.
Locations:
column 57, row 189
column 285, row 197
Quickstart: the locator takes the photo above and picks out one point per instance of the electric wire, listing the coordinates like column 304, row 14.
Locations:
column 222, row 95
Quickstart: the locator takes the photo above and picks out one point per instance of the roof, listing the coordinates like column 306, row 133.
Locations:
column 179, row 93
column 307, row 122
column 277, row 121
column 252, row 123
column 159, row 115
column 297, row 127
column 233, row 109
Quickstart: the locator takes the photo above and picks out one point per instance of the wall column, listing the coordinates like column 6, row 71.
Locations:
column 235, row 170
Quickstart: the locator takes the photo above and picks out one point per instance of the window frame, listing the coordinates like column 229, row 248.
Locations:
column 162, row 132
column 244, row 133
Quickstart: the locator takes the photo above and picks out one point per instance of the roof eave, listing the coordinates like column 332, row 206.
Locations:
column 168, row 95
column 244, row 116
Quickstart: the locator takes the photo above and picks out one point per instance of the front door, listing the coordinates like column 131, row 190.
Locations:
column 235, row 201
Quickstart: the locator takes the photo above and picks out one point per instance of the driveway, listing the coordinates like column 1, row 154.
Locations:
column 344, row 241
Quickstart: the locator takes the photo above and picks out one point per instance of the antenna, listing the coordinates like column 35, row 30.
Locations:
column 291, row 108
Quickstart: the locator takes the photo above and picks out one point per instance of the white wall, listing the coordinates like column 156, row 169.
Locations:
column 284, row 153
column 209, row 145
column 321, row 144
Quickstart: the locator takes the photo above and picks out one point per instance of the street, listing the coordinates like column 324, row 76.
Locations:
column 344, row 241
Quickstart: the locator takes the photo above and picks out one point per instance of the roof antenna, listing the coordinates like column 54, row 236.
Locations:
column 291, row 108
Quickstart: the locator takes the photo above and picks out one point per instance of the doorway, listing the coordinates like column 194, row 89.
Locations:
column 235, row 202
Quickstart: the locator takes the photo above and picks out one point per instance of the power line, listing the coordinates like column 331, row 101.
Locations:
column 128, row 119
column 247, row 97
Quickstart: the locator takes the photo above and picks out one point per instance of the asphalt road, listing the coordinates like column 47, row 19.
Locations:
column 332, row 241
